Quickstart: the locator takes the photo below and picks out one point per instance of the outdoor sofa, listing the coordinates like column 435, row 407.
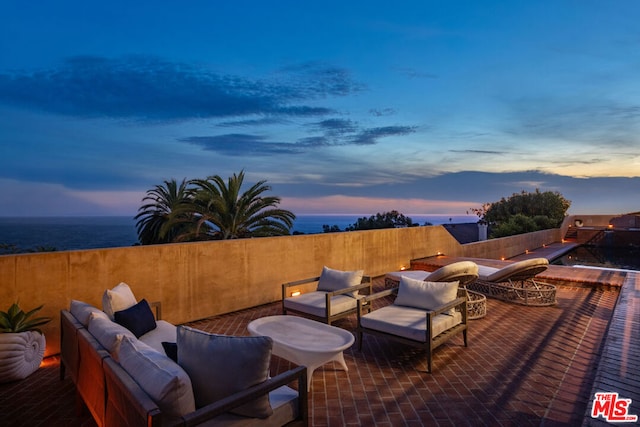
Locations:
column 128, row 377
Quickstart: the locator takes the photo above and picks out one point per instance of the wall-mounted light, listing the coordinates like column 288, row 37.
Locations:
column 295, row 293
column 403, row 268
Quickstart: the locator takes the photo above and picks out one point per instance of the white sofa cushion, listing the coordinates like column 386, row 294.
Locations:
column 220, row 365
column 82, row 311
column 315, row 303
column 161, row 378
column 334, row 280
column 408, row 322
column 164, row 332
column 119, row 298
column 425, row 295
column 106, row 331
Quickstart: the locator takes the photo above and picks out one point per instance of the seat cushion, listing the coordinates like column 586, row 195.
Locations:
column 335, row 280
column 220, row 366
column 163, row 332
column 425, row 295
column 161, row 378
column 408, row 322
column 314, row 303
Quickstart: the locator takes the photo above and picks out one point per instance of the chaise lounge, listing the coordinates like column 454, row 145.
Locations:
column 516, row 283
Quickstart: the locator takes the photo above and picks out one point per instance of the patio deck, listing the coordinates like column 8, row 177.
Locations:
column 523, row 366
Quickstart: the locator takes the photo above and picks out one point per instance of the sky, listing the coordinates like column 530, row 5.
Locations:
column 354, row 107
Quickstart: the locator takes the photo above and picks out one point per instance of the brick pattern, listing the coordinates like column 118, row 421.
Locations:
column 524, row 366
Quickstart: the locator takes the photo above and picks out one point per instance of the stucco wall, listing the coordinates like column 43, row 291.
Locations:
column 198, row 280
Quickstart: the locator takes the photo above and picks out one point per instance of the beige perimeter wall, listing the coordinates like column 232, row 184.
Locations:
column 197, row 280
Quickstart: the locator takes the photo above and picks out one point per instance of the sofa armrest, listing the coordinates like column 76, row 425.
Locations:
column 298, row 374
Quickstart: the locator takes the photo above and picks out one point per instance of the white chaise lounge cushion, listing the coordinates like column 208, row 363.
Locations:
column 334, row 280
column 119, row 298
column 160, row 377
column 408, row 322
column 524, row 268
column 315, row 303
column 425, row 295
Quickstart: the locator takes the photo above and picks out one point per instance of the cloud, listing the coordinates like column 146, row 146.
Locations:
column 244, row 144
column 333, row 132
column 149, row 88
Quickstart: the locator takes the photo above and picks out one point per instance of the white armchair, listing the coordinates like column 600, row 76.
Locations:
column 335, row 296
column 423, row 314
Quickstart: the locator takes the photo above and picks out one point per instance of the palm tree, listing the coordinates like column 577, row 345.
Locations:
column 157, row 221
column 236, row 215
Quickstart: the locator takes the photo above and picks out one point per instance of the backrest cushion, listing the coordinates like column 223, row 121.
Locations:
column 162, row 379
column 106, row 331
column 220, row 365
column 334, row 280
column 119, row 298
column 82, row 311
column 137, row 318
column 425, row 295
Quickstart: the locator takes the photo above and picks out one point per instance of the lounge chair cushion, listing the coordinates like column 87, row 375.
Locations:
column 119, row 298
column 334, row 280
column 408, row 322
column 519, row 270
column 220, row 365
column 161, row 378
column 314, row 303
column 425, row 295
column 106, row 331
column 82, row 311
column 137, row 318
column 461, row 270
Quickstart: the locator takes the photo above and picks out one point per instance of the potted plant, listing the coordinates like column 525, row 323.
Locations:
column 22, row 343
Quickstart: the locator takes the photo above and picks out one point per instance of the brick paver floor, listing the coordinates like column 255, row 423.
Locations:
column 524, row 366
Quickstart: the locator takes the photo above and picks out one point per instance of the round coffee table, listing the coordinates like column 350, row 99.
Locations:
column 304, row 341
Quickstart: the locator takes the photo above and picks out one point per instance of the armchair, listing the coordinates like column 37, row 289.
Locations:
column 335, row 296
column 423, row 314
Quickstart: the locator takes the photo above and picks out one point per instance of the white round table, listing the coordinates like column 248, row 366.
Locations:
column 304, row 341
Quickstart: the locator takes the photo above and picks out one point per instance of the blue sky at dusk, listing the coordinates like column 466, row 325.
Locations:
column 426, row 107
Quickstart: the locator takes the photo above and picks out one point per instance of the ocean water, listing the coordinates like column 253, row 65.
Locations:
column 74, row 233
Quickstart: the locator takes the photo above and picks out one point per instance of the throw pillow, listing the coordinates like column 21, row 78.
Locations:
column 163, row 380
column 82, row 311
column 425, row 295
column 118, row 298
column 137, row 318
column 171, row 350
column 220, row 365
column 106, row 331
column 334, row 280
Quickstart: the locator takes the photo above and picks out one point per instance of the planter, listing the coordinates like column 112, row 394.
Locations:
column 20, row 354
